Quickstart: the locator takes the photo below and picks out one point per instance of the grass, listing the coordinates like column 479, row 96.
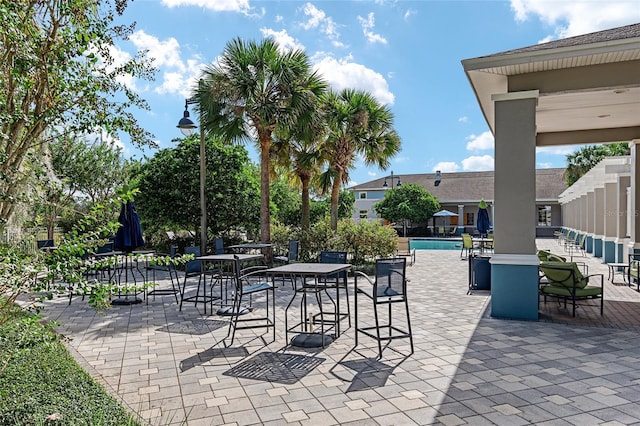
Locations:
column 40, row 382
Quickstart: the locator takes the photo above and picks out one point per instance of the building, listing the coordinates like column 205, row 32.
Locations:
column 574, row 91
column 460, row 193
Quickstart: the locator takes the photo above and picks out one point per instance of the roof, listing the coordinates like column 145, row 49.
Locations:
column 473, row 186
column 587, row 87
column 613, row 34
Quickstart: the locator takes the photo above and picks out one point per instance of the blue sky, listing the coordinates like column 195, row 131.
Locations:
column 406, row 53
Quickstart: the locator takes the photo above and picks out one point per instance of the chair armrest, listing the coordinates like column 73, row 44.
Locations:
column 362, row 274
column 588, row 278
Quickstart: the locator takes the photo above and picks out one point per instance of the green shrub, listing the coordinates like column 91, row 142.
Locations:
column 364, row 241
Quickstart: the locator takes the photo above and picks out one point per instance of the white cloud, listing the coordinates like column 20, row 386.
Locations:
column 241, row 6
column 409, row 13
column 285, row 41
column 478, row 163
column 343, row 74
column 119, row 57
column 463, row 119
column 372, row 174
column 480, row 142
column 446, row 167
column 545, row 165
column 317, row 19
column 279, row 18
column 164, row 53
column 556, row 150
column 176, row 75
column 572, row 18
column 368, row 24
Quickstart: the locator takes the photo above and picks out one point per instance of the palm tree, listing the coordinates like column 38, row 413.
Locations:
column 252, row 90
column 357, row 124
column 302, row 159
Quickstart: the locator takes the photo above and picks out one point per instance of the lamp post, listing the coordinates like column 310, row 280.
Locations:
column 385, row 185
column 187, row 127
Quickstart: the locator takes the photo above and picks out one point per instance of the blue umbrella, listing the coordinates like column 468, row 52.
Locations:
column 129, row 235
column 484, row 223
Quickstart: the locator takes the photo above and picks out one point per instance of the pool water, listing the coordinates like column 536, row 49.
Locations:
column 435, row 244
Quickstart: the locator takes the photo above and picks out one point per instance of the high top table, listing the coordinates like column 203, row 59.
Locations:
column 227, row 258
column 306, row 335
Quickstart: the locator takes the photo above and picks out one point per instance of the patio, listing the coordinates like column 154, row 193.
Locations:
column 170, row 367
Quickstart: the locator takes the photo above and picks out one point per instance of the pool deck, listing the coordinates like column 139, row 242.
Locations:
column 170, row 367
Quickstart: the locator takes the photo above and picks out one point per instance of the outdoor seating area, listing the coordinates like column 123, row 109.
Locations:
column 174, row 366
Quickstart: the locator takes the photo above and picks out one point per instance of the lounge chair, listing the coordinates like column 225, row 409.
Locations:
column 565, row 282
column 403, row 249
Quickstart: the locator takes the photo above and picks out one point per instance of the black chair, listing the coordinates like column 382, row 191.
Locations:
column 167, row 265
column 292, row 256
column 249, row 282
column 388, row 287
column 193, row 268
column 219, row 244
column 336, row 282
column 44, row 244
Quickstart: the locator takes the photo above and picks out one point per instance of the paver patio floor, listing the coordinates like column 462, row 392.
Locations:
column 170, row 367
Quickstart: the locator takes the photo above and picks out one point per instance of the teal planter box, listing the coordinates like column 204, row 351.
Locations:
column 597, row 247
column 514, row 291
column 609, row 254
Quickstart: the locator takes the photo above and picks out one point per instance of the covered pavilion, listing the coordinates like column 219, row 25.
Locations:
column 574, row 91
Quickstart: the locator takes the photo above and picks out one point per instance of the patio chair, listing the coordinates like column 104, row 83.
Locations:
column 292, row 256
column 193, row 268
column 44, row 244
column 219, row 245
column 633, row 271
column 169, row 267
column 250, row 282
column 335, row 282
column 403, row 248
column 565, row 282
column 388, row 287
column 467, row 245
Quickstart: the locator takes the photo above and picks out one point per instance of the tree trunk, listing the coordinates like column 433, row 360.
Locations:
column 265, row 217
column 306, row 208
column 335, row 198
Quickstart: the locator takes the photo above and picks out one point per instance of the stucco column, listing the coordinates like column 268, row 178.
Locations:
column 634, row 232
column 622, row 233
column 461, row 229
column 514, row 266
column 598, row 221
column 590, row 220
column 610, row 222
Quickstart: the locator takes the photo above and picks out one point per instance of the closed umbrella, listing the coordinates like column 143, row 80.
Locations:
column 484, row 223
column 128, row 238
column 129, row 235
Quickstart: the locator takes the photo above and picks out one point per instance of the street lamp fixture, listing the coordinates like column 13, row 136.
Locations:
column 385, row 185
column 188, row 127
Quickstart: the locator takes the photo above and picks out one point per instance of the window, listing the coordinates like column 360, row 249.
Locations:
column 364, row 214
column 363, row 195
column 544, row 215
column 470, row 219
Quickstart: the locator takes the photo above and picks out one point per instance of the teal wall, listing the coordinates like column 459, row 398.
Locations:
column 514, row 291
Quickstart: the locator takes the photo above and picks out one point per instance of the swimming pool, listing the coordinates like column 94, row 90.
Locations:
column 435, row 244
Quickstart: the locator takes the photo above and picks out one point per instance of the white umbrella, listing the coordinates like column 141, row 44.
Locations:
column 442, row 213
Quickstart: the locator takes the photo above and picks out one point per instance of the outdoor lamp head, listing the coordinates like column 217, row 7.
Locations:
column 186, row 126
column 384, row 185
column 399, row 183
column 438, row 178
